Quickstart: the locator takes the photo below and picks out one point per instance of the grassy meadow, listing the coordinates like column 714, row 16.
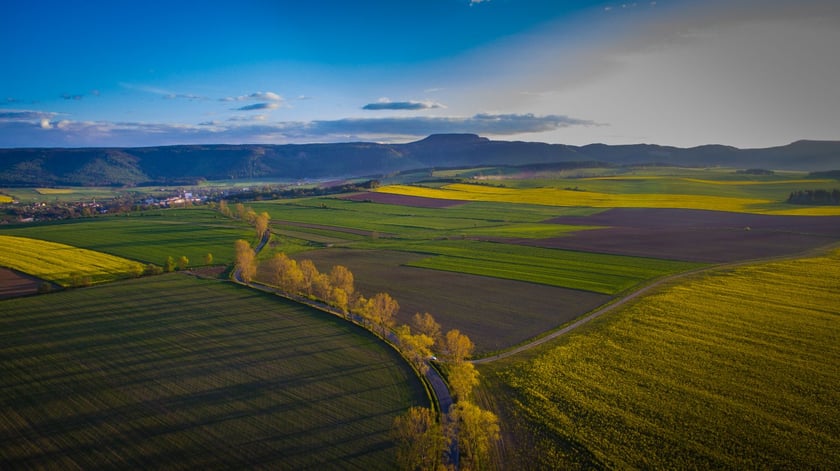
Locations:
column 173, row 371
column 149, row 236
column 733, row 369
column 63, row 264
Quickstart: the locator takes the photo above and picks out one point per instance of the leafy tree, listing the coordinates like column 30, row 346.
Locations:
column 152, row 269
column 183, row 262
column 245, row 260
column 420, row 440
column 477, row 430
column 309, row 273
column 250, row 216
column 462, row 378
column 338, row 298
column 170, row 264
column 426, row 324
column 224, row 208
column 285, row 273
column 381, row 310
column 240, row 211
column 341, row 277
column 208, row 259
column 261, row 223
column 457, row 346
column 415, row 347
column 321, row 288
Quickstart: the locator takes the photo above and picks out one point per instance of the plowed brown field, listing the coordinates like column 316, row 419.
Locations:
column 693, row 235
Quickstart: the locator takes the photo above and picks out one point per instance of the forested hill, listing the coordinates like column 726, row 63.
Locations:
column 190, row 163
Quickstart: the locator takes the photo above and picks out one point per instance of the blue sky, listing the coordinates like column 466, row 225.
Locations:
column 747, row 73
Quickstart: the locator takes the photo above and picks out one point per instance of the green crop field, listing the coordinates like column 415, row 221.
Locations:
column 413, row 222
column 600, row 273
column 177, row 372
column 62, row 263
column 150, row 236
column 734, row 369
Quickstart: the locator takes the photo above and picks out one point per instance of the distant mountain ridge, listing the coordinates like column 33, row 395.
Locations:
column 190, row 163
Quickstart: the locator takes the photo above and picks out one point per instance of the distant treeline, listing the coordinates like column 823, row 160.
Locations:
column 815, row 197
column 826, row 174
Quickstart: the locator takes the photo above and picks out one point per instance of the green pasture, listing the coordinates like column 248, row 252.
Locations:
column 180, row 373
column 148, row 236
column 731, row 370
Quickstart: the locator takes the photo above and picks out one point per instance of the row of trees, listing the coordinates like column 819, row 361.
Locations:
column 244, row 213
column 830, row 197
column 421, row 437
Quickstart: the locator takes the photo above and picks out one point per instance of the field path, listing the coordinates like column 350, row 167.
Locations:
column 634, row 295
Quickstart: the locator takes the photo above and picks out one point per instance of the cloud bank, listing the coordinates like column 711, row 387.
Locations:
column 22, row 128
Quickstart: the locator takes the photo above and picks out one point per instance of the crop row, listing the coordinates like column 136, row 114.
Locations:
column 172, row 370
column 730, row 370
column 63, row 264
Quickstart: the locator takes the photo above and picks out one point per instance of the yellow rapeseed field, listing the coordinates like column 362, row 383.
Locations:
column 561, row 197
column 5, row 199
column 63, row 264
column 735, row 370
column 55, row 191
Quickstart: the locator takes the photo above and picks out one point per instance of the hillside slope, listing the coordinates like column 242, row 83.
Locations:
column 186, row 164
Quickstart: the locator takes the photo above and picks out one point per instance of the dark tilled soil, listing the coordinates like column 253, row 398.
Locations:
column 495, row 313
column 694, row 235
column 13, row 284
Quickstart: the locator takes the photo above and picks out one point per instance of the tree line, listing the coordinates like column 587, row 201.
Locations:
column 816, row 197
column 421, row 438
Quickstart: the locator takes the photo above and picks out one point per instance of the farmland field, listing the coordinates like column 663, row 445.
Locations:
column 176, row 372
column 495, row 313
column 734, row 369
column 63, row 264
column 572, row 198
column 13, row 284
column 149, row 237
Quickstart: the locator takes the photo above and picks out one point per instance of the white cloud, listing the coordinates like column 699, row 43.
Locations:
column 45, row 124
column 258, row 106
column 256, row 96
column 411, row 105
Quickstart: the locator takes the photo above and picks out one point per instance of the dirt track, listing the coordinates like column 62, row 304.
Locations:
column 635, row 294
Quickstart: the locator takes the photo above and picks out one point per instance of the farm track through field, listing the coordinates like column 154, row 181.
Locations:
column 640, row 292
